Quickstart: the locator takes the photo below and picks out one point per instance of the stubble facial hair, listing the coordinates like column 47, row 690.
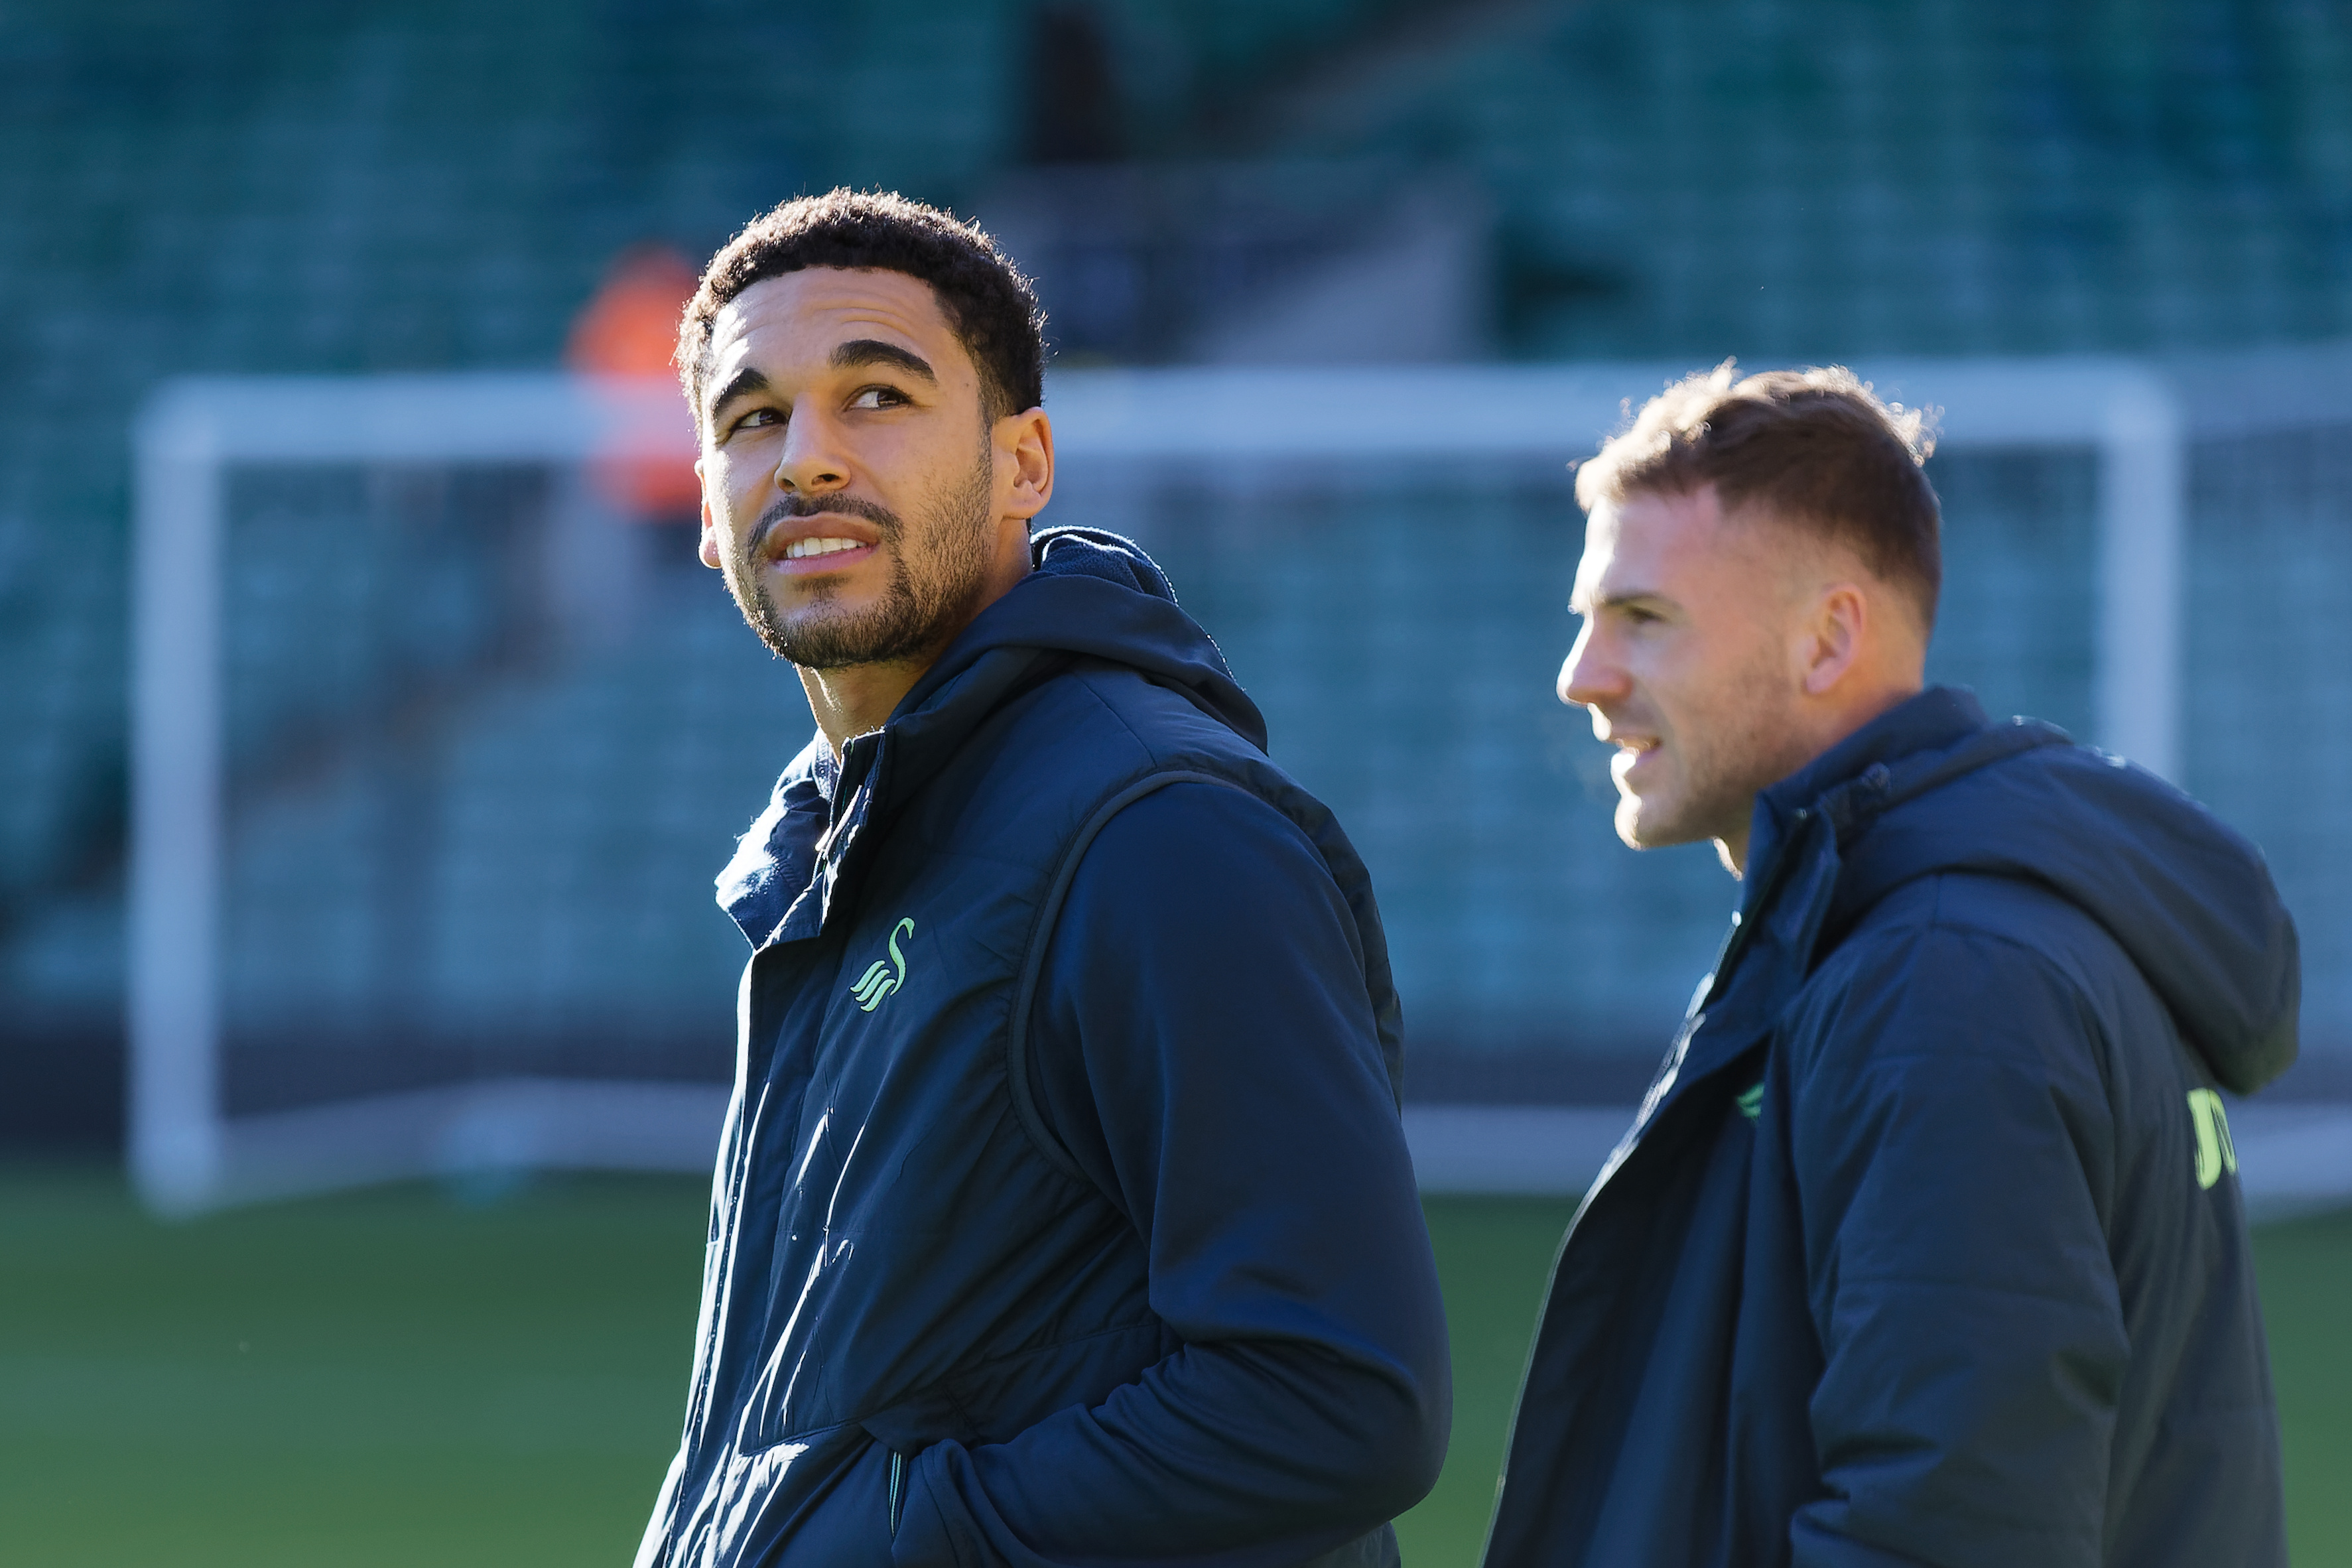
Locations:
column 929, row 596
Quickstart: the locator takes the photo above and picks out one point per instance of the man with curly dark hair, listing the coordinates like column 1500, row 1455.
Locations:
column 1063, row 1213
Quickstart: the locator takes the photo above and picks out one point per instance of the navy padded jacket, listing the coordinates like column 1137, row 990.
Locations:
column 1927, row 1245
column 1062, row 1214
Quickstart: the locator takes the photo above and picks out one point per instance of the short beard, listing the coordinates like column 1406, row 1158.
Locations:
column 1743, row 746
column 919, row 613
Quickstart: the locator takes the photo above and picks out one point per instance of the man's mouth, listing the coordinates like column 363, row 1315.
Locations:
column 801, row 549
column 807, row 547
column 1630, row 751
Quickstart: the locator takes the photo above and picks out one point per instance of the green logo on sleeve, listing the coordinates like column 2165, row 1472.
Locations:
column 887, row 974
column 2215, row 1153
column 1752, row 1102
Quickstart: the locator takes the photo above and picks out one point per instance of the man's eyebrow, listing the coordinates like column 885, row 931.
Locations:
column 742, row 383
column 859, row 351
column 1581, row 604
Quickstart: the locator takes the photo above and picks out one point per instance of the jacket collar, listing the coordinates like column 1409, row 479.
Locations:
column 779, row 884
column 1800, row 829
column 1935, row 720
column 1091, row 595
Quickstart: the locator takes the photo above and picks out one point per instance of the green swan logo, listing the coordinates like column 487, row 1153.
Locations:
column 887, row 974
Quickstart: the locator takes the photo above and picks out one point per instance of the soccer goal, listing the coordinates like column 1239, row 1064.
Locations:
column 436, row 749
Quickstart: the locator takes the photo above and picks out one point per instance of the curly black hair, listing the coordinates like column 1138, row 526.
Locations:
column 991, row 306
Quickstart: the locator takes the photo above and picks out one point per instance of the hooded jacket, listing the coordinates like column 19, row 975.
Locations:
column 1063, row 1213
column 1927, row 1247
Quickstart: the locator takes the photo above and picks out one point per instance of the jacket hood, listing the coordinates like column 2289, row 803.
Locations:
column 1935, row 786
column 1094, row 593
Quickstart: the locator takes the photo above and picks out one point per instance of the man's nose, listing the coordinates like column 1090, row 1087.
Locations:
column 1590, row 676
column 811, row 460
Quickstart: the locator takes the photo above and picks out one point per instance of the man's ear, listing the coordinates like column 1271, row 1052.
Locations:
column 1028, row 439
column 1832, row 638
column 708, row 549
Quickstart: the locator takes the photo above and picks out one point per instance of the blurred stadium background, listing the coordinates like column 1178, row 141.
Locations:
column 484, row 730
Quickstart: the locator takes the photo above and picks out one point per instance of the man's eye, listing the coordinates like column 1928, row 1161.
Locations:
column 757, row 419
column 879, row 397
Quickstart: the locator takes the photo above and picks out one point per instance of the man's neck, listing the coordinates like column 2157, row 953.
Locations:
column 1865, row 707
column 857, row 698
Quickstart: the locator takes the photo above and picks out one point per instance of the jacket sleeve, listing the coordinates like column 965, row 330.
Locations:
column 1954, row 1150
column 1205, row 1048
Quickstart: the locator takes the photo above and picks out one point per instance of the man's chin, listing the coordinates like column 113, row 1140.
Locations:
column 836, row 637
column 1651, row 824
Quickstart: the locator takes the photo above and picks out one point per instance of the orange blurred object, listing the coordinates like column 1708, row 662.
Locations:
column 630, row 329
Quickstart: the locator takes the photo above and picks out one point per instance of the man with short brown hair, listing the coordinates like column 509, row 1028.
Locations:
column 1926, row 1246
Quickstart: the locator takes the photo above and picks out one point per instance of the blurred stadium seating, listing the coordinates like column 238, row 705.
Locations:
column 283, row 188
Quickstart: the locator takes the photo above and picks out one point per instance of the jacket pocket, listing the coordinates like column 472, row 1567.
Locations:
column 1006, row 1396
column 994, row 1400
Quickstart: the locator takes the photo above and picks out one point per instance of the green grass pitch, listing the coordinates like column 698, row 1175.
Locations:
column 403, row 1376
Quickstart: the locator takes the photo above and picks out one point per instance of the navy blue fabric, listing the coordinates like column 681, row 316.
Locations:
column 1907, row 1259
column 1145, row 1282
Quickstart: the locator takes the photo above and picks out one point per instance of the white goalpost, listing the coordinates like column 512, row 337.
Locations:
column 194, row 1143
column 186, row 1154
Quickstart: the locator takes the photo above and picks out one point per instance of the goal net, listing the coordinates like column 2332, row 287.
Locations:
column 437, row 749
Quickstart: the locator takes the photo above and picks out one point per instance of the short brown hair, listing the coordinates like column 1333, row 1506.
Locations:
column 990, row 307
column 1815, row 448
